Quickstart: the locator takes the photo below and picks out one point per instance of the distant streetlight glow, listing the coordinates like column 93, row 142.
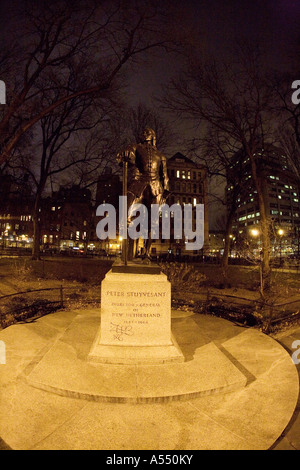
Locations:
column 280, row 233
column 254, row 232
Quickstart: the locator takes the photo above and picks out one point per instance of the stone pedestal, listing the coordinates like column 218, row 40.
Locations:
column 135, row 320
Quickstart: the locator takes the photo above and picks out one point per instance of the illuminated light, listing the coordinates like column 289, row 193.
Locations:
column 280, row 232
column 254, row 232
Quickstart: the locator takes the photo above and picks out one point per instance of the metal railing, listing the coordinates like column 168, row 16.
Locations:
column 19, row 307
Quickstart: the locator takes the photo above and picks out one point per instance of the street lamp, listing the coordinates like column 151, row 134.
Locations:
column 280, row 233
column 254, row 232
column 231, row 238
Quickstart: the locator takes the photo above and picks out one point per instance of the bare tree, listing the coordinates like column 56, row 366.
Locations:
column 215, row 151
column 71, row 49
column 288, row 129
column 59, row 150
column 235, row 100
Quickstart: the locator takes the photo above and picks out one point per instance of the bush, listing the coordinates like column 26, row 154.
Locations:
column 18, row 309
column 183, row 276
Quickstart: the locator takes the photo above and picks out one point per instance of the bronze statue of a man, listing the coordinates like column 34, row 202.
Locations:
column 150, row 179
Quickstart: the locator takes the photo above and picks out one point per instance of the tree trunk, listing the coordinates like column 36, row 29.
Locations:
column 266, row 270
column 224, row 260
column 265, row 228
column 36, row 254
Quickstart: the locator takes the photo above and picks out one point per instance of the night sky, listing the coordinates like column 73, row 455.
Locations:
column 217, row 26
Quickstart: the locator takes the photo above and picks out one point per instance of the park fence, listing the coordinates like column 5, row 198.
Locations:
column 29, row 304
column 25, row 305
column 248, row 312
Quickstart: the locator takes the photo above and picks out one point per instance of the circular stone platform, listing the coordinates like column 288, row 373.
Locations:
column 236, row 389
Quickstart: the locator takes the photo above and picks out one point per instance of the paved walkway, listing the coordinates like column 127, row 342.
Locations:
column 251, row 404
column 290, row 438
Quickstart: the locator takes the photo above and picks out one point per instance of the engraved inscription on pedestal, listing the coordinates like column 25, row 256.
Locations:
column 135, row 319
column 135, row 310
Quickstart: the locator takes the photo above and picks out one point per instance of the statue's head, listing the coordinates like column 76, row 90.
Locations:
column 149, row 136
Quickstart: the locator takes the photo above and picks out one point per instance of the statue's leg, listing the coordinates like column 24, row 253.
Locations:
column 153, row 199
column 132, row 198
column 157, row 199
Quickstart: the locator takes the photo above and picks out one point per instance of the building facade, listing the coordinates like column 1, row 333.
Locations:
column 281, row 198
column 68, row 217
column 67, row 220
column 16, row 207
column 188, row 185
